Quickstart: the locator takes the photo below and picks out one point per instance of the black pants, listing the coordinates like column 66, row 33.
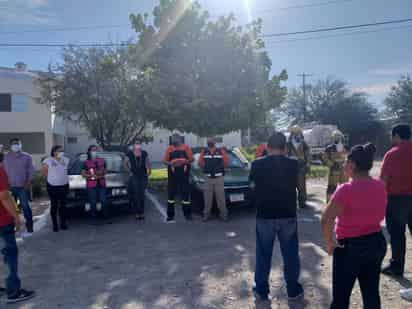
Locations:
column 360, row 258
column 137, row 188
column 58, row 198
column 398, row 215
column 178, row 184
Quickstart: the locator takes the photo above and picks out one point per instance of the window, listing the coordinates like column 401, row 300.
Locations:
column 19, row 103
column 72, row 140
column 13, row 102
column 5, row 102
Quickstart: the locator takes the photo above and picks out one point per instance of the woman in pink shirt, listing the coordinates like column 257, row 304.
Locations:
column 356, row 211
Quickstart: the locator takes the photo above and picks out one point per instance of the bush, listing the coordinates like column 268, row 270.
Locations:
column 249, row 152
column 38, row 185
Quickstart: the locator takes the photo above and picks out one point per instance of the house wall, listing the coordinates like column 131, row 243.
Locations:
column 157, row 148
column 34, row 125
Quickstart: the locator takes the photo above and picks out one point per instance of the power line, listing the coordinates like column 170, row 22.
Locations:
column 97, row 27
column 336, row 35
column 303, row 6
column 282, row 34
column 389, row 22
column 79, row 28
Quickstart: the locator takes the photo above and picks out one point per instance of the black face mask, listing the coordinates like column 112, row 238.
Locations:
column 211, row 145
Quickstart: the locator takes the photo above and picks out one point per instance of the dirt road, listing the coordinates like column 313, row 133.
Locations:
column 130, row 265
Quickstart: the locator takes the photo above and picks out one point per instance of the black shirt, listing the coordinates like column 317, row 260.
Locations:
column 275, row 179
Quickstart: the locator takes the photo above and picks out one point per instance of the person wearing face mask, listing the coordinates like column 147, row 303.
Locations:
column 138, row 164
column 299, row 150
column 54, row 168
column 213, row 161
column 20, row 169
column 334, row 158
column 94, row 171
column 178, row 159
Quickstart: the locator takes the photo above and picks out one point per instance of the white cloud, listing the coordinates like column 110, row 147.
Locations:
column 375, row 89
column 26, row 12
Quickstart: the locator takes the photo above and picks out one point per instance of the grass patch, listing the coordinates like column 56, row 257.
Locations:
column 159, row 174
column 318, row 171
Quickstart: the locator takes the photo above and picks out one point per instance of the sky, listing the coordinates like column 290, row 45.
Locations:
column 369, row 60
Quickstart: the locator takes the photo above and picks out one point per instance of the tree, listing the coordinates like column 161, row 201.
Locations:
column 207, row 77
column 95, row 88
column 399, row 101
column 331, row 102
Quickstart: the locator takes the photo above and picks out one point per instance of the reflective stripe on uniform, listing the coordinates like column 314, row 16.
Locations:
column 171, row 201
column 212, row 157
column 186, row 202
column 216, row 175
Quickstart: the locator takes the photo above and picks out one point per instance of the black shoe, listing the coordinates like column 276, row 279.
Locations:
column 64, row 227
column 2, row 291
column 55, row 229
column 390, row 271
column 139, row 217
column 30, row 229
column 170, row 220
column 22, row 295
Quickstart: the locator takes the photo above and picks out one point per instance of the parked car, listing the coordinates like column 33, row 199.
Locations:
column 116, row 180
column 237, row 184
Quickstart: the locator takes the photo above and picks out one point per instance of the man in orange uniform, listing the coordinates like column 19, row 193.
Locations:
column 213, row 161
column 178, row 158
column 261, row 151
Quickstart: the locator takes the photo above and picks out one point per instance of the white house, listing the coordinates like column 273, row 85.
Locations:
column 22, row 117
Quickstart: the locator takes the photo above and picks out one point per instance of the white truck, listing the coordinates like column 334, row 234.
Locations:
column 318, row 137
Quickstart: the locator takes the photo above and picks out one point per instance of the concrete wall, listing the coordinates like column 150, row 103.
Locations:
column 37, row 118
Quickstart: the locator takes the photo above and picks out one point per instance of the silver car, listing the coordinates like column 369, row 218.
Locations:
column 116, row 180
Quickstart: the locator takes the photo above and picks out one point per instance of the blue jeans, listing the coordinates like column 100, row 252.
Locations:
column 94, row 195
column 266, row 232
column 10, row 255
column 20, row 194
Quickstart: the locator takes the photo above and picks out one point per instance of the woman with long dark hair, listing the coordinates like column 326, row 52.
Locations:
column 54, row 168
column 358, row 246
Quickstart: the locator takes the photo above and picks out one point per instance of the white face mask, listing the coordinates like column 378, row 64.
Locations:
column 60, row 154
column 339, row 147
column 15, row 147
column 93, row 154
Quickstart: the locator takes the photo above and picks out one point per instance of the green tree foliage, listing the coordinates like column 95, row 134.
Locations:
column 95, row 88
column 331, row 102
column 399, row 101
column 207, row 76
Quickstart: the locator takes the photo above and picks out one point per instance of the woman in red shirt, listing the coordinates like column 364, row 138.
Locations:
column 358, row 208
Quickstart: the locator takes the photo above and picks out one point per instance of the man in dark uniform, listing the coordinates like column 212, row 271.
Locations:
column 178, row 158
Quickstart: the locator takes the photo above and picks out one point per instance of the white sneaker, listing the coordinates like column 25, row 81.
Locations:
column 26, row 235
column 87, row 207
column 406, row 294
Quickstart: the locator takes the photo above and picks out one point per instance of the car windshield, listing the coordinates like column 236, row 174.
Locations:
column 114, row 163
column 234, row 161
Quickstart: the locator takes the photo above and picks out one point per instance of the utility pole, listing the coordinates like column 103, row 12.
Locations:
column 304, row 75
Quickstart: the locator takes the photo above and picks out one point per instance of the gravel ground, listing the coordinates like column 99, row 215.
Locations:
column 130, row 265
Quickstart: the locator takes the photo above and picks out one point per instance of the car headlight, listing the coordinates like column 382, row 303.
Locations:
column 119, row 191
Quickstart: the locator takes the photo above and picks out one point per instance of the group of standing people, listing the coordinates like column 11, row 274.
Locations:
column 351, row 221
